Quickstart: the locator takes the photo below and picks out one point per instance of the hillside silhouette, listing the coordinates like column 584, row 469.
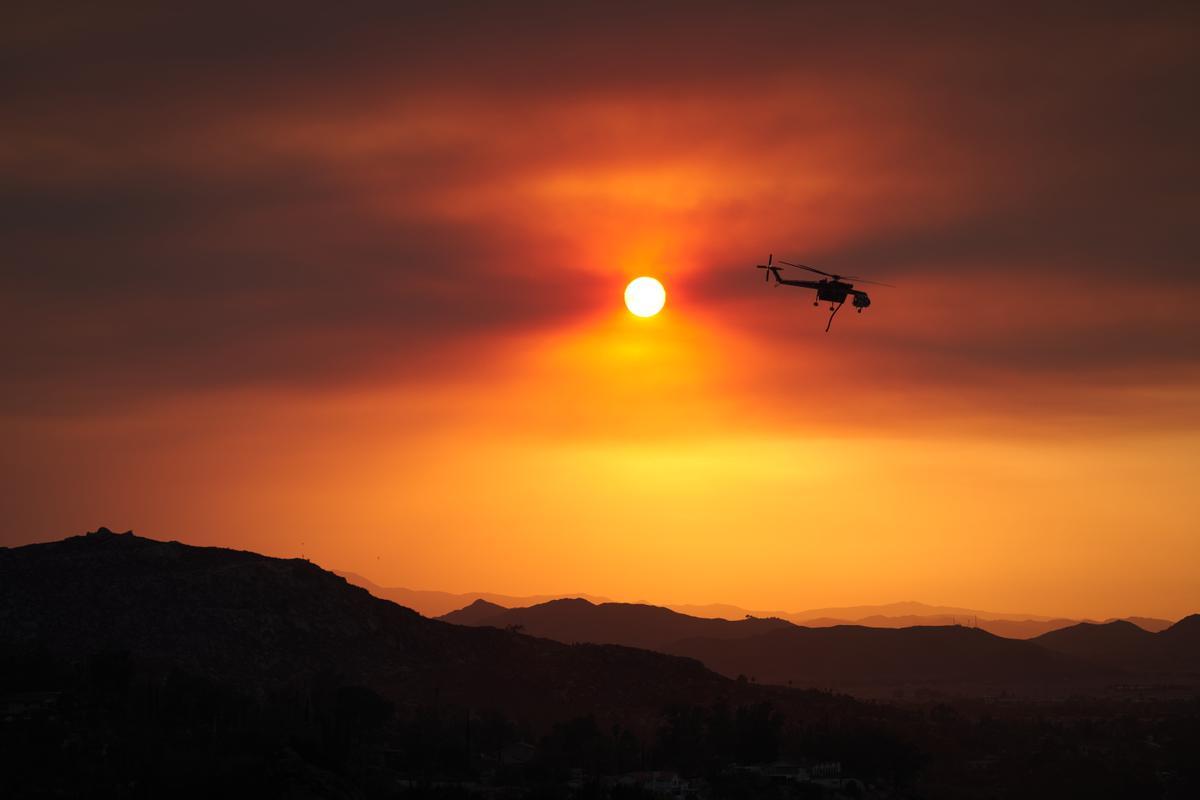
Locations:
column 856, row 657
column 249, row 620
column 136, row 667
column 630, row 624
column 778, row 652
column 1123, row 645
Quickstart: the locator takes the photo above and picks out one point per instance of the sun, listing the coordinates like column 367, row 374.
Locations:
column 645, row 296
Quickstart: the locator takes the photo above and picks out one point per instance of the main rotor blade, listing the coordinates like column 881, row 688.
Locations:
column 837, row 277
column 810, row 269
column 864, row 280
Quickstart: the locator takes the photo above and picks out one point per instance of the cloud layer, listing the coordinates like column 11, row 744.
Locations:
column 368, row 251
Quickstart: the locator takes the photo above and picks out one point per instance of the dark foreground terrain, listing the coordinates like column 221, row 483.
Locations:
column 136, row 668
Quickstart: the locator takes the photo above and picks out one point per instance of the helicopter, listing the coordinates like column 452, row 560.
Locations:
column 832, row 288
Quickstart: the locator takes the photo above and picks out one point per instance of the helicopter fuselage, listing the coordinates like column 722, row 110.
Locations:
column 831, row 291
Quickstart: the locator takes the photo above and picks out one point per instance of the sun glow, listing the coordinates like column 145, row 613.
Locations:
column 645, row 296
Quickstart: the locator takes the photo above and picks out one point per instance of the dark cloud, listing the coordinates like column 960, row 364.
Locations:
column 210, row 197
column 172, row 285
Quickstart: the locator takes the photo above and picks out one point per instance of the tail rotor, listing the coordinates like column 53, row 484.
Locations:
column 766, row 268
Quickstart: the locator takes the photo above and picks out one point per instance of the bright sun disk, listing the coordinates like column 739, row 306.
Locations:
column 645, row 296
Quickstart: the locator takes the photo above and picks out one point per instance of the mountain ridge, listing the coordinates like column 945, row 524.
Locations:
column 778, row 651
column 438, row 604
column 251, row 620
column 629, row 624
column 1122, row 645
column 434, row 603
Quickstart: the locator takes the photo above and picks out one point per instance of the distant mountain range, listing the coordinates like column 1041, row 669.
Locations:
column 907, row 608
column 435, row 604
column 774, row 650
column 1008, row 628
column 891, row 615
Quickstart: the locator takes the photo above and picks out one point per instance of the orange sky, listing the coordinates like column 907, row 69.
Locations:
column 351, row 288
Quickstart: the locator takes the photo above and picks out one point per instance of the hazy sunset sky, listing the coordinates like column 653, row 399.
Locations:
column 349, row 286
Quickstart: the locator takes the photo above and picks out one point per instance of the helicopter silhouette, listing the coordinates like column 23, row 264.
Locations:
column 832, row 288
